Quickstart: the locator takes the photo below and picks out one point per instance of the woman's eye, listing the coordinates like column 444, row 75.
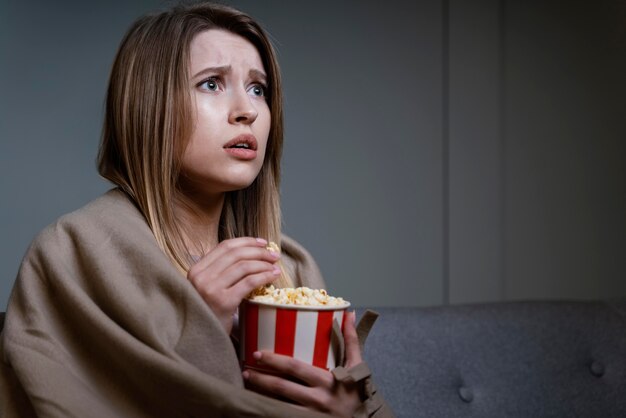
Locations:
column 257, row 90
column 211, row 84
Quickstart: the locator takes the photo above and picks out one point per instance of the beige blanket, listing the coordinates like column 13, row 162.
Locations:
column 100, row 324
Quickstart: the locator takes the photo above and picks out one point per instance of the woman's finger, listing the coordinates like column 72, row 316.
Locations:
column 309, row 374
column 217, row 289
column 243, row 287
column 224, row 248
column 353, row 348
column 304, row 395
column 241, row 271
column 233, row 265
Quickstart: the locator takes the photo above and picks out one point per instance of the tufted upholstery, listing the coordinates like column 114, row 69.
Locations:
column 515, row 359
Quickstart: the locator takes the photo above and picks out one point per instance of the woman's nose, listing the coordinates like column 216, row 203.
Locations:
column 242, row 109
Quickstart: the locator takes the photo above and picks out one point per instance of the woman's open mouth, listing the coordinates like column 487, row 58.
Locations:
column 243, row 147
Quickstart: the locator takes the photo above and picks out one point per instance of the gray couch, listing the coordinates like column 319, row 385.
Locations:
column 515, row 359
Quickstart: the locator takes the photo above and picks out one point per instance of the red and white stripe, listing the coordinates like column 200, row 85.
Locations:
column 303, row 334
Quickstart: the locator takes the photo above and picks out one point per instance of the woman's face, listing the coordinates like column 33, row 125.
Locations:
column 232, row 117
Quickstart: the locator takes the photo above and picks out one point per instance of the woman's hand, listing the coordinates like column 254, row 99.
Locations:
column 320, row 390
column 227, row 274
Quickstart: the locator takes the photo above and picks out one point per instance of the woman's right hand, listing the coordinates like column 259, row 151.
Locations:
column 228, row 273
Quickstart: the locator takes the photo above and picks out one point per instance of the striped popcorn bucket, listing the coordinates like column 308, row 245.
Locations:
column 303, row 332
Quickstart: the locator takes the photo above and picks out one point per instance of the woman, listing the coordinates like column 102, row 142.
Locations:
column 101, row 321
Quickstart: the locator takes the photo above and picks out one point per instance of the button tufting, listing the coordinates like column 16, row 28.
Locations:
column 466, row 394
column 597, row 369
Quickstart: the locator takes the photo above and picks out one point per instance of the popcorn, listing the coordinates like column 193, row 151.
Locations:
column 272, row 246
column 300, row 296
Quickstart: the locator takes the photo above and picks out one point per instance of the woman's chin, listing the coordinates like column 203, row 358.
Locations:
column 238, row 186
column 226, row 181
column 240, row 180
column 231, row 183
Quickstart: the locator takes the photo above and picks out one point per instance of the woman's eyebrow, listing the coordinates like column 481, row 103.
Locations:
column 213, row 70
column 225, row 69
column 258, row 74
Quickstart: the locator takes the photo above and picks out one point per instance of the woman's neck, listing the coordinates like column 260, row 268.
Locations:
column 199, row 216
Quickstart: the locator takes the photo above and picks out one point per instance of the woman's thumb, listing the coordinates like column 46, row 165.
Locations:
column 353, row 349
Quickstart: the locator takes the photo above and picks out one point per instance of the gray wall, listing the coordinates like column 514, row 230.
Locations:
column 436, row 151
column 537, row 143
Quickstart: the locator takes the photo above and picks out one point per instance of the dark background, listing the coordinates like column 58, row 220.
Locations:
column 437, row 151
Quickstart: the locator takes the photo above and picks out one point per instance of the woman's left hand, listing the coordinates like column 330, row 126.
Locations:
column 320, row 390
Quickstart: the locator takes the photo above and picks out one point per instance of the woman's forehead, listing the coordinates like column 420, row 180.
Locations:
column 221, row 48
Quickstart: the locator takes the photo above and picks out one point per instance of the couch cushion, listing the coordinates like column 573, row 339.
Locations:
column 515, row 359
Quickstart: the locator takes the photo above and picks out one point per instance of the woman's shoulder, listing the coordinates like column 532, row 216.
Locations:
column 300, row 263
column 114, row 206
column 110, row 215
column 103, row 243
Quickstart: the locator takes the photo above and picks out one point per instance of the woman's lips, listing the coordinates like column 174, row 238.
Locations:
column 242, row 147
column 242, row 153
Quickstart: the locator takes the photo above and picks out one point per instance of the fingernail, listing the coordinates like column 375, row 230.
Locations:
column 262, row 241
column 276, row 270
column 257, row 355
column 274, row 254
column 245, row 374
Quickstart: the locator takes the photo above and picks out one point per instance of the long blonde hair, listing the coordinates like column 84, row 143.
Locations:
column 148, row 118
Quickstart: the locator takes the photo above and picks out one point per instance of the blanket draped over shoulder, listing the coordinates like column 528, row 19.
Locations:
column 101, row 324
